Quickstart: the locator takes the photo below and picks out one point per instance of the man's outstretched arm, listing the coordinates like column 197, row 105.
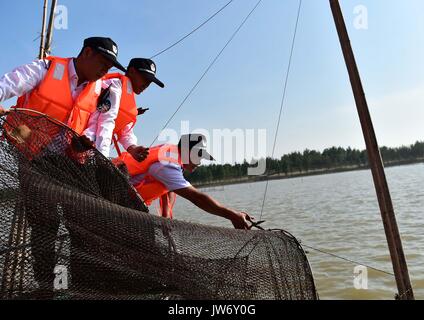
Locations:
column 203, row 201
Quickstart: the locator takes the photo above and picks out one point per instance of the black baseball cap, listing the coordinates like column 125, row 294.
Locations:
column 107, row 47
column 148, row 68
column 194, row 142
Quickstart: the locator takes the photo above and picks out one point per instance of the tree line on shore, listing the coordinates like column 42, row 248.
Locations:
column 309, row 160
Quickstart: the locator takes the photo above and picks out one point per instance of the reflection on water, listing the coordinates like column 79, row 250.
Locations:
column 337, row 213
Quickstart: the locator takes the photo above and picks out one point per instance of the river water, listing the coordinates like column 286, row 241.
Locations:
column 337, row 213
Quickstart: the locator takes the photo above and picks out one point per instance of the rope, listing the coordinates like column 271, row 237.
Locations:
column 193, row 31
column 255, row 225
column 398, row 296
column 207, row 69
column 348, row 260
column 283, row 98
column 273, row 153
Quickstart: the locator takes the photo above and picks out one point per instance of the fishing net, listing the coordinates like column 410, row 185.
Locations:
column 72, row 227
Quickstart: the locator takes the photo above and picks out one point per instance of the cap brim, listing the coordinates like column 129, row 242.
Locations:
column 115, row 62
column 152, row 78
column 207, row 156
column 120, row 66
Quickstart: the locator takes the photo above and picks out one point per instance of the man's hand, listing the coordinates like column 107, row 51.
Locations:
column 2, row 111
column 82, row 144
column 241, row 220
column 139, row 153
column 20, row 134
column 86, row 142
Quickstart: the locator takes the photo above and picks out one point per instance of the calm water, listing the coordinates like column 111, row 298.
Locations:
column 337, row 213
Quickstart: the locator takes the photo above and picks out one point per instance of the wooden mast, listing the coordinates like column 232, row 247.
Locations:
column 384, row 199
column 50, row 29
column 43, row 30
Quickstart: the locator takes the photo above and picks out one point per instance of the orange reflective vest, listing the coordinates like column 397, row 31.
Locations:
column 151, row 189
column 53, row 97
column 127, row 108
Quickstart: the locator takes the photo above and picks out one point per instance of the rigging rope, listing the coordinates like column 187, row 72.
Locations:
column 207, row 69
column 193, row 31
column 280, row 112
column 281, row 106
column 256, row 225
column 398, row 296
column 283, row 98
column 348, row 260
column 275, row 142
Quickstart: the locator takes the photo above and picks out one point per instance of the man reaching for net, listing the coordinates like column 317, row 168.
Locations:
column 160, row 176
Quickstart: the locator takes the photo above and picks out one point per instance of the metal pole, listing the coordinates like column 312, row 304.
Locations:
column 50, row 29
column 377, row 168
column 43, row 30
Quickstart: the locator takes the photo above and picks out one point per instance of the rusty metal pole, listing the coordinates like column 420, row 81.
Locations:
column 385, row 202
column 43, row 30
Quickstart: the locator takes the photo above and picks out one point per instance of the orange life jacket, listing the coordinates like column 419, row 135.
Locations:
column 151, row 189
column 53, row 97
column 127, row 108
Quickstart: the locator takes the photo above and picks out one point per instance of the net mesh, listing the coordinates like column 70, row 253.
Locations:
column 72, row 227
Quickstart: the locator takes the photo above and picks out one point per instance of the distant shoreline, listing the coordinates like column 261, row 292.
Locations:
column 252, row 179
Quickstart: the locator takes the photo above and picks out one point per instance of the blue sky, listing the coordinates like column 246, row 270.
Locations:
column 244, row 88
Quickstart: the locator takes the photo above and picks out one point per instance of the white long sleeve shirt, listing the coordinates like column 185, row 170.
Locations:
column 101, row 124
column 24, row 79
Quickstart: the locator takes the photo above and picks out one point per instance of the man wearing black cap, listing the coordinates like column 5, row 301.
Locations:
column 91, row 61
column 66, row 89
column 117, row 111
column 160, row 176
